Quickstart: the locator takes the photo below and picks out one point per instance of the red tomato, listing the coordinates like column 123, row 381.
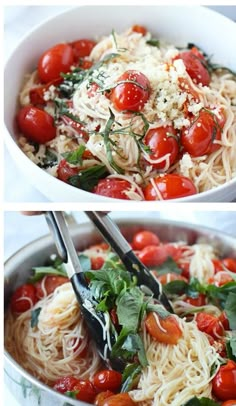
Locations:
column 65, row 384
column 99, row 400
column 186, row 87
column 172, row 332
column 23, row 298
column 76, row 126
column 65, row 171
column 97, row 263
column 199, row 138
column 230, row 264
column 195, row 67
column 114, row 188
column 50, row 283
column 139, row 29
column 209, row 324
column 36, row 94
column 185, row 269
column 221, row 278
column 170, row 186
column 196, row 301
column 85, row 391
column 224, row 383
column 131, row 92
column 82, row 47
column 162, row 141
column 122, row 399
column 107, row 380
column 170, row 277
column 114, row 317
column 153, row 255
column 218, row 267
column 55, row 61
column 224, row 320
column 36, row 124
column 84, row 351
column 144, row 238
column 229, row 403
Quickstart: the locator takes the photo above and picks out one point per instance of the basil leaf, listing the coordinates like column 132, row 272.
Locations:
column 168, row 266
column 201, row 402
column 133, row 344
column 35, row 316
column 40, row 272
column 130, row 377
column 71, row 394
column 88, row 178
column 159, row 309
column 230, row 310
column 153, row 42
column 129, row 307
column 75, row 157
column 219, row 295
column 175, row 287
column 85, row 262
column 231, row 347
column 50, row 159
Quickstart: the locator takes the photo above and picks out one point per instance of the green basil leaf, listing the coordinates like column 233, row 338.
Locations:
column 75, row 157
column 153, row 42
column 88, row 178
column 219, row 294
column 85, row 262
column 159, row 309
column 201, row 402
column 130, row 377
column 40, row 272
column 129, row 307
column 175, row 287
column 50, row 159
column 71, row 394
column 231, row 347
column 35, row 316
column 230, row 310
column 168, row 266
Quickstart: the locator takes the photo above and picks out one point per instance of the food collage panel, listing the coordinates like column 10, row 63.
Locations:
column 119, row 234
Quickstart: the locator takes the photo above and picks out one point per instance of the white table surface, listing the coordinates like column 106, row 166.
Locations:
column 18, row 21
column 34, row 227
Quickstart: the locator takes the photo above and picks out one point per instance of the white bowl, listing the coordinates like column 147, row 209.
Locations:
column 177, row 24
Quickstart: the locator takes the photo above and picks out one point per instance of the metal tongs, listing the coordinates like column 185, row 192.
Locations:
column 94, row 319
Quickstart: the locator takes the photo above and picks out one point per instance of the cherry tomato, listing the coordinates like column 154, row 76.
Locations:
column 82, row 47
column 65, row 384
column 170, row 277
column 200, row 300
column 221, row 278
column 36, row 124
column 153, row 255
column 84, row 351
column 122, row 399
column 139, row 29
column 99, row 400
column 36, row 94
column 229, row 403
column 114, row 188
column 65, row 171
column 114, row 317
column 169, row 333
column 224, row 383
column 224, row 320
column 209, row 324
column 23, row 298
column 186, row 87
column 162, row 141
column 55, row 61
column 50, row 283
column 131, row 92
column 144, row 238
column 230, row 264
column 107, row 380
column 85, row 64
column 218, row 267
column 97, row 263
column 170, row 186
column 76, row 126
column 85, row 391
column 199, row 138
column 185, row 269
column 195, row 67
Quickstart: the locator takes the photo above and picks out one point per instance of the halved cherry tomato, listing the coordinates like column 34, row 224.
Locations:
column 230, row 264
column 199, row 138
column 221, row 278
column 36, row 124
column 224, row 383
column 23, row 298
column 229, row 403
column 170, row 186
column 185, row 269
column 114, row 188
column 153, row 255
column 131, row 92
column 139, row 29
column 97, row 263
column 84, row 390
column 224, row 320
column 218, row 267
column 195, row 67
column 50, row 283
column 76, row 126
column 55, row 61
column 65, row 171
column 200, row 300
column 122, row 399
column 170, row 277
column 99, row 400
column 209, row 324
column 162, row 141
column 107, row 380
column 36, row 94
column 186, row 87
column 65, row 384
column 82, row 47
column 144, row 238
column 169, row 332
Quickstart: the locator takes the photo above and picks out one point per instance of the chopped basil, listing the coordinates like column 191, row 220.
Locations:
column 71, row 394
column 108, row 142
column 153, row 42
column 35, row 316
column 88, row 178
column 75, row 157
column 130, row 377
column 49, row 159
